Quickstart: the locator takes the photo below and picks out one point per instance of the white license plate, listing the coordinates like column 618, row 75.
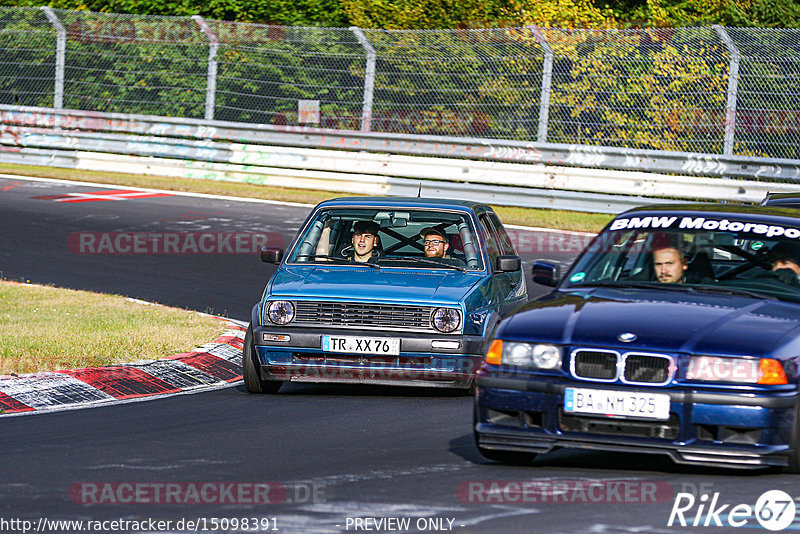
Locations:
column 619, row 403
column 389, row 346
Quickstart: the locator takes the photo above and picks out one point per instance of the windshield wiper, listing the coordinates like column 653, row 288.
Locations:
column 343, row 261
column 734, row 291
column 686, row 288
column 426, row 261
column 634, row 285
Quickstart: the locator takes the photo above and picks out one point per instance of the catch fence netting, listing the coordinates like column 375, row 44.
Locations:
column 704, row 89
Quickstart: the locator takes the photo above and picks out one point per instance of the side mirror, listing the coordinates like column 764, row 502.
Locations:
column 271, row 255
column 508, row 263
column 546, row 273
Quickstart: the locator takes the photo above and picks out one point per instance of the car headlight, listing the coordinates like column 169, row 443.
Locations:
column 546, row 356
column 741, row 370
column 446, row 319
column 535, row 355
column 279, row 311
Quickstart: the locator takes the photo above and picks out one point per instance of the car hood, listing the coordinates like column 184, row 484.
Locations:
column 699, row 323
column 385, row 285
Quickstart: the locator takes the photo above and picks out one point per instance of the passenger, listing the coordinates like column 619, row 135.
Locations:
column 785, row 255
column 669, row 265
column 784, row 261
column 434, row 242
column 365, row 240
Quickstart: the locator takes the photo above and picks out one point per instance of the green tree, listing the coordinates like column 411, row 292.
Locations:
column 286, row 12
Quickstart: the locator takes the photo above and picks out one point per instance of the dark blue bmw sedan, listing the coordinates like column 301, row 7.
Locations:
column 677, row 332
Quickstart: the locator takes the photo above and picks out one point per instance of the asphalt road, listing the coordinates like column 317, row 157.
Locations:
column 314, row 458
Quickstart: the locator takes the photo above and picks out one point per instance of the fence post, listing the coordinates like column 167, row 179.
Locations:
column 61, row 47
column 733, row 89
column 211, row 80
column 369, row 79
column 547, row 80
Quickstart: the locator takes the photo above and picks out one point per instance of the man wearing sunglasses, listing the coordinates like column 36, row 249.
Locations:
column 435, row 242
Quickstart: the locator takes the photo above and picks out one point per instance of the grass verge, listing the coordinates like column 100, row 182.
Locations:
column 45, row 328
column 565, row 220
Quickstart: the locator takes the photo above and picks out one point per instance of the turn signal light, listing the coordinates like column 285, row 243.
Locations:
column 495, row 353
column 771, row 372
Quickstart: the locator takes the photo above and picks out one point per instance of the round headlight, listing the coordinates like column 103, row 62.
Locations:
column 446, row 319
column 546, row 356
column 517, row 354
column 280, row 311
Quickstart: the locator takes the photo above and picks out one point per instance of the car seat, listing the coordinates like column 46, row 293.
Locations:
column 699, row 267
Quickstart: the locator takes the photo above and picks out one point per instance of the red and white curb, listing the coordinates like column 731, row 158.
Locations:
column 214, row 364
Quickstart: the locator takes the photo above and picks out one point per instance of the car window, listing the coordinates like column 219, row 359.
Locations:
column 504, row 240
column 492, row 245
column 720, row 253
column 329, row 237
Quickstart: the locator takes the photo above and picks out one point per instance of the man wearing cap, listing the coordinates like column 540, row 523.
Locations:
column 786, row 255
column 784, row 259
column 435, row 242
column 365, row 239
column 785, row 262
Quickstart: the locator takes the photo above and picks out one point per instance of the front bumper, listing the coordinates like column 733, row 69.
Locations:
column 425, row 360
column 704, row 428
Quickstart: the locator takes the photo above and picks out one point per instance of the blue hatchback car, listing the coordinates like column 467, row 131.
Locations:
column 398, row 291
column 676, row 332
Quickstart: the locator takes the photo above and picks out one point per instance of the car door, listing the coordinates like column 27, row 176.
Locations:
column 506, row 291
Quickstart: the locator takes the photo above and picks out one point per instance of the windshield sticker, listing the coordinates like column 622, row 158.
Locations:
column 701, row 223
column 577, row 277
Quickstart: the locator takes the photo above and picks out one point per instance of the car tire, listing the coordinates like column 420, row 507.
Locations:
column 251, row 369
column 794, row 457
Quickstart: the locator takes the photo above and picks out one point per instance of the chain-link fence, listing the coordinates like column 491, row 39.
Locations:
column 709, row 90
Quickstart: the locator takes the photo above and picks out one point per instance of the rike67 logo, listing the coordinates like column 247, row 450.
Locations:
column 774, row 510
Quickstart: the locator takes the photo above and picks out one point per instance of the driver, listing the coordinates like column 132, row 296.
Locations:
column 669, row 265
column 365, row 239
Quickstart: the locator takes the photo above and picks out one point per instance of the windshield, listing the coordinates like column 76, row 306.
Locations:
column 694, row 253
column 380, row 238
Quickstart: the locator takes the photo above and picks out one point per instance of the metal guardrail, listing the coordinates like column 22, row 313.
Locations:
column 626, row 159
column 504, row 172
